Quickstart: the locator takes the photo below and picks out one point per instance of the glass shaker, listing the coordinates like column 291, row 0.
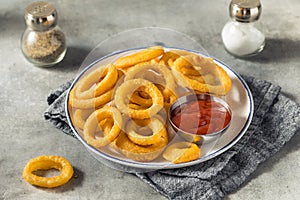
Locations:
column 240, row 36
column 43, row 43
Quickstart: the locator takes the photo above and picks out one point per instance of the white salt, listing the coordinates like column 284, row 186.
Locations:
column 242, row 39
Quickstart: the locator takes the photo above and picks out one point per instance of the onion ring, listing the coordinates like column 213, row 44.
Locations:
column 92, row 102
column 208, row 66
column 92, row 122
column 140, row 56
column 158, row 70
column 47, row 162
column 134, row 133
column 80, row 117
column 124, row 91
column 137, row 152
column 104, row 77
column 182, row 152
column 221, row 89
column 186, row 65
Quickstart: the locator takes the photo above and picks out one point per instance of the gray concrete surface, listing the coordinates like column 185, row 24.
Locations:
column 25, row 134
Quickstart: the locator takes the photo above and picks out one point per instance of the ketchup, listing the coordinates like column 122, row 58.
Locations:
column 201, row 117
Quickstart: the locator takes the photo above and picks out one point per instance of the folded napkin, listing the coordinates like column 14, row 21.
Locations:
column 276, row 119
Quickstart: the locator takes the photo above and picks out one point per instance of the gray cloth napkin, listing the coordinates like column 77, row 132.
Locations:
column 276, row 119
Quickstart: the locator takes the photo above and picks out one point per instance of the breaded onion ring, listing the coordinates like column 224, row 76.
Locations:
column 140, row 56
column 221, row 89
column 92, row 102
column 95, row 118
column 104, row 77
column 221, row 85
column 182, row 152
column 187, row 65
column 47, row 162
column 159, row 71
column 126, row 89
column 135, row 132
column 137, row 152
column 80, row 117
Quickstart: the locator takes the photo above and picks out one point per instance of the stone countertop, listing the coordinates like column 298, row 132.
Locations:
column 24, row 88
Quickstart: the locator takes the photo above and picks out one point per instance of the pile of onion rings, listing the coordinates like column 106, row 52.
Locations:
column 123, row 105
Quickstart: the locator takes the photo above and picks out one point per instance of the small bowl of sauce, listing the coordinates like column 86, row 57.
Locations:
column 199, row 118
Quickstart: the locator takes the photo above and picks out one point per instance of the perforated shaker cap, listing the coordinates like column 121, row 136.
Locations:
column 40, row 15
column 245, row 10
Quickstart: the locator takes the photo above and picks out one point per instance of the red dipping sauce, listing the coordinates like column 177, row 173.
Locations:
column 201, row 117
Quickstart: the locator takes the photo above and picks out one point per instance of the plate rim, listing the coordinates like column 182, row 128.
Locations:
column 147, row 165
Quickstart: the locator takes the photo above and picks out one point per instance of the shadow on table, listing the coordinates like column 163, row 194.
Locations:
column 290, row 96
column 75, row 181
column 277, row 50
column 72, row 60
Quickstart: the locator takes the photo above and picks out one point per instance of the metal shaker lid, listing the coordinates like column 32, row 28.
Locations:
column 245, row 10
column 40, row 15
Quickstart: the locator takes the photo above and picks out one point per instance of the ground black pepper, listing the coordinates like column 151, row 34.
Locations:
column 43, row 42
column 46, row 47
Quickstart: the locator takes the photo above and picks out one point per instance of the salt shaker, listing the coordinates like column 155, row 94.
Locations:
column 240, row 35
column 43, row 43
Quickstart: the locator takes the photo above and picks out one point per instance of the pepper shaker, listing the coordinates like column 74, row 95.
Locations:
column 43, row 43
column 240, row 36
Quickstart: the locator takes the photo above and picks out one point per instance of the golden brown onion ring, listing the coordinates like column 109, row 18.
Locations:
column 80, row 117
column 95, row 118
column 221, row 89
column 159, row 70
column 135, row 132
column 47, row 162
column 126, row 89
column 140, row 56
column 182, row 152
column 137, row 152
column 208, row 68
column 104, row 77
column 185, row 66
column 92, row 102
